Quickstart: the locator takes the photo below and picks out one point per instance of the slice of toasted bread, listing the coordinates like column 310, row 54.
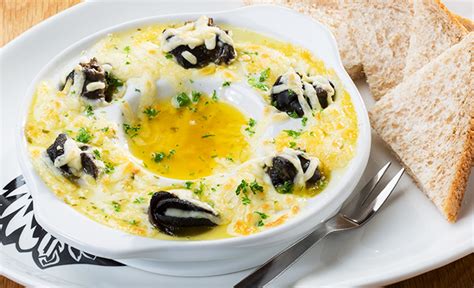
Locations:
column 467, row 23
column 428, row 121
column 382, row 36
column 434, row 29
column 331, row 14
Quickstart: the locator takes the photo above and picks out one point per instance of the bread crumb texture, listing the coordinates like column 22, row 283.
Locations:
column 428, row 121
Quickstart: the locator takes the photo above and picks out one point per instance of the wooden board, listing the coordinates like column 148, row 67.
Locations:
column 19, row 15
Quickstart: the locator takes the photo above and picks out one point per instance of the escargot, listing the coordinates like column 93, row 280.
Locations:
column 172, row 212
column 72, row 159
column 292, row 167
column 199, row 43
column 296, row 95
column 92, row 81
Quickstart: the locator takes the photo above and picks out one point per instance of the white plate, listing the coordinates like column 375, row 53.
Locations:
column 407, row 238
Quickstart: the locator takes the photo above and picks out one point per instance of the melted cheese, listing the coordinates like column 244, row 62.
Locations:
column 194, row 34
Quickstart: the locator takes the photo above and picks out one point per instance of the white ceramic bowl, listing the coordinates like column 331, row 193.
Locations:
column 201, row 258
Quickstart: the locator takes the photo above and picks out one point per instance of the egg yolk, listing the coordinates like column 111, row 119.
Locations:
column 188, row 142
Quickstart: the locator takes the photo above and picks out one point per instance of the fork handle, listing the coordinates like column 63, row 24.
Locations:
column 282, row 261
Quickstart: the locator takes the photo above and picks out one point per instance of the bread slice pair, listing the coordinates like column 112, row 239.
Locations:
column 428, row 122
column 332, row 14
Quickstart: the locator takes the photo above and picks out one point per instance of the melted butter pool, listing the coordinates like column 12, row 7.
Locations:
column 186, row 142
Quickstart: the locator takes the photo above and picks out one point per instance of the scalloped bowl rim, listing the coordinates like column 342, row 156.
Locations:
column 45, row 199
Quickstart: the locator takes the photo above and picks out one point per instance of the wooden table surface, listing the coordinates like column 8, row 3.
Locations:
column 19, row 15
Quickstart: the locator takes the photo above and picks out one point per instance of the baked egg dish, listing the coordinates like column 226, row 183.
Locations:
column 191, row 131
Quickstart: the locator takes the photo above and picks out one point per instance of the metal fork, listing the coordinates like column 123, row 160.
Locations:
column 355, row 212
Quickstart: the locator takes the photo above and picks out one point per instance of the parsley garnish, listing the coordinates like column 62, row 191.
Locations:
column 285, row 188
column 245, row 199
column 116, row 206
column 251, row 124
column 263, row 216
column 255, row 187
column 304, row 120
column 226, row 84
column 259, row 81
column 195, row 96
column 89, row 111
column 151, row 112
column 242, row 187
column 109, row 168
column 188, row 184
column 158, row 157
column 214, row 96
column 139, row 200
column 183, row 99
column 207, row 135
column 292, row 144
column 84, row 135
column 96, row 154
column 292, row 133
column 293, row 114
column 131, row 130
column 198, row 191
column 126, row 49
column 168, row 56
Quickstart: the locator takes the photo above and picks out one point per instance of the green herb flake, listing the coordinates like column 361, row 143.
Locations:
column 89, row 111
column 168, row 56
column 292, row 133
column 188, row 184
column 126, row 49
column 214, row 96
column 83, row 136
column 304, row 120
column 293, row 114
column 133, row 222
column 158, row 157
column 195, row 96
column 131, row 130
column 96, row 154
column 226, row 84
column 207, row 135
column 242, row 187
column 259, row 80
column 250, row 128
column 151, row 112
column 117, row 207
column 292, row 144
column 285, row 188
column 109, row 168
column 182, row 99
column 139, row 200
column 200, row 189
column 255, row 187
column 246, row 200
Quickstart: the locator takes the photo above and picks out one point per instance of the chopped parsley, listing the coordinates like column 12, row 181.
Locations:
column 242, row 187
column 116, row 206
column 83, row 136
column 259, row 81
column 214, row 96
column 171, row 153
column 285, row 188
column 139, row 200
column 182, row 99
column 138, row 90
column 249, row 53
column 226, row 84
column 133, row 222
column 188, row 184
column 263, row 216
column 151, row 112
column 158, row 157
column 292, row 133
column 246, row 200
column 169, row 56
column 207, row 135
column 304, row 120
column 89, row 111
column 195, row 96
column 126, row 49
column 200, row 189
column 251, row 125
column 109, row 168
column 255, row 187
column 293, row 114
column 131, row 130
column 96, row 154
column 292, row 144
